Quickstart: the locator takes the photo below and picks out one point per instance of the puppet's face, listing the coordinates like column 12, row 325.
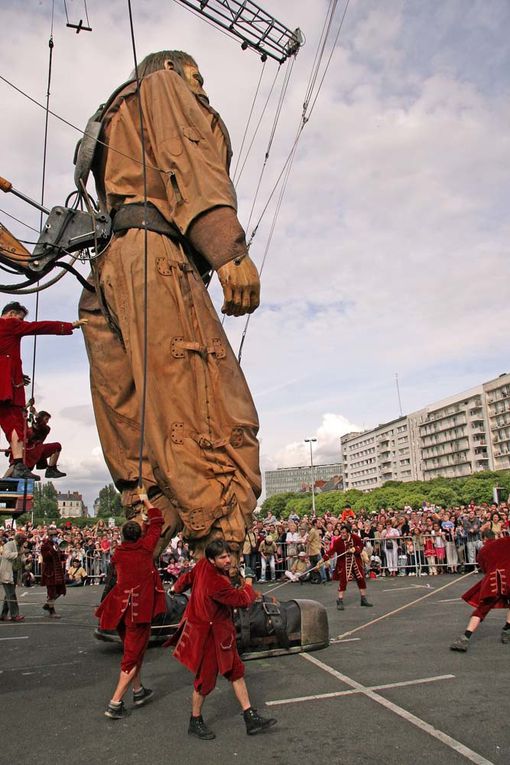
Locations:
column 194, row 79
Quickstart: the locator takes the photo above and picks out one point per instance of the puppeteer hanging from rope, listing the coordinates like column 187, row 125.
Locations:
column 200, row 450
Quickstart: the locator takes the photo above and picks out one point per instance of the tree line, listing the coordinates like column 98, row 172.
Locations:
column 445, row 492
column 45, row 505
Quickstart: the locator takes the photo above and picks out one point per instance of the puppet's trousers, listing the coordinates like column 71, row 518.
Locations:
column 200, row 447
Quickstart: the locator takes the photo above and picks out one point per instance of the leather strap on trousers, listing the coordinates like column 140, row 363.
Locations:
column 138, row 215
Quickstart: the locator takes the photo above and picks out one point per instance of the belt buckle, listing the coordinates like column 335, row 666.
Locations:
column 270, row 609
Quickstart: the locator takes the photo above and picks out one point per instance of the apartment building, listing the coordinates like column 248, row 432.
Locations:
column 454, row 437
column 497, row 393
column 373, row 457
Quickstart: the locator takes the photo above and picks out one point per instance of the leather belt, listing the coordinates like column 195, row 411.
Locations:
column 138, row 215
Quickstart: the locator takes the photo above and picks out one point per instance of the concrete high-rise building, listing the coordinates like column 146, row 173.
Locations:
column 299, row 478
column 375, row 456
column 456, row 436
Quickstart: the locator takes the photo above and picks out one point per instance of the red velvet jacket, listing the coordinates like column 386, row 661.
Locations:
column 12, row 390
column 340, row 547
column 53, row 561
column 138, row 585
column 209, row 614
column 494, row 561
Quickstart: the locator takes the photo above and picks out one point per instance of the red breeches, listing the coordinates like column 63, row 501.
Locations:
column 205, row 679
column 54, row 591
column 11, row 418
column 134, row 638
column 348, row 573
column 483, row 609
column 40, row 452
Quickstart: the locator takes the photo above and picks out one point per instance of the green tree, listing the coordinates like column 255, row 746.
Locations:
column 445, row 496
column 109, row 502
column 45, row 505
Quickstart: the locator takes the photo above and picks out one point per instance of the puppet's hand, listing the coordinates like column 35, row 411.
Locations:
column 241, row 286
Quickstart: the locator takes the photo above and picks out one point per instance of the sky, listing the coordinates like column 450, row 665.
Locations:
column 390, row 250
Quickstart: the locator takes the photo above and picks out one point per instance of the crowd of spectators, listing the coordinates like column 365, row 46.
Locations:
column 429, row 541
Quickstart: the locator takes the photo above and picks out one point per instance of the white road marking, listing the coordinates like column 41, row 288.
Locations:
column 334, row 694
column 411, row 587
column 347, row 640
column 451, row 600
column 452, row 743
column 39, row 668
column 18, row 637
column 402, row 608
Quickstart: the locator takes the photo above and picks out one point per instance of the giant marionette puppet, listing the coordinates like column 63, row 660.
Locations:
column 157, row 350
column 170, row 229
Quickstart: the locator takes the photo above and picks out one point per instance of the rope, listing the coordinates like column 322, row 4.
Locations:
column 305, row 116
column 75, row 127
column 43, row 181
column 268, row 244
column 271, row 135
column 145, row 257
column 18, row 220
column 236, row 180
column 249, row 118
column 402, row 608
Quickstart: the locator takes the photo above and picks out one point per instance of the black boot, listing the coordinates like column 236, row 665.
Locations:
column 364, row 602
column 255, row 723
column 198, row 728
column 54, row 472
column 20, row 470
column 340, row 604
column 142, row 696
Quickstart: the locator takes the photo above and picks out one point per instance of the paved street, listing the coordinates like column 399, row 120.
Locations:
column 389, row 692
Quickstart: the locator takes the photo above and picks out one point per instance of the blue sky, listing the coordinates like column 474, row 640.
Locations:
column 391, row 248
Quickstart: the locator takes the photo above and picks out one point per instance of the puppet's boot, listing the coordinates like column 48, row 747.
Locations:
column 364, row 602
column 198, row 728
column 255, row 723
column 340, row 604
column 461, row 644
column 505, row 636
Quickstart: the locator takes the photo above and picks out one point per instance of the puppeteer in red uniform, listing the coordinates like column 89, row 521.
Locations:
column 493, row 591
column 206, row 638
column 206, row 642
column 12, row 382
column 52, row 573
column 349, row 565
column 132, row 603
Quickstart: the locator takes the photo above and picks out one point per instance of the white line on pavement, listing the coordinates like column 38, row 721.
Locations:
column 18, row 637
column 457, row 746
column 334, row 694
column 450, row 600
column 402, row 608
column 411, row 587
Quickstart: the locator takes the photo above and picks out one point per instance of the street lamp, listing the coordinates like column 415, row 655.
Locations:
column 311, row 441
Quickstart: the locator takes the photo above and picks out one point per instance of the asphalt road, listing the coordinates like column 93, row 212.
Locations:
column 56, row 678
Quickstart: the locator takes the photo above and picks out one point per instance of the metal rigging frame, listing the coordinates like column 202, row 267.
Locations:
column 251, row 24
